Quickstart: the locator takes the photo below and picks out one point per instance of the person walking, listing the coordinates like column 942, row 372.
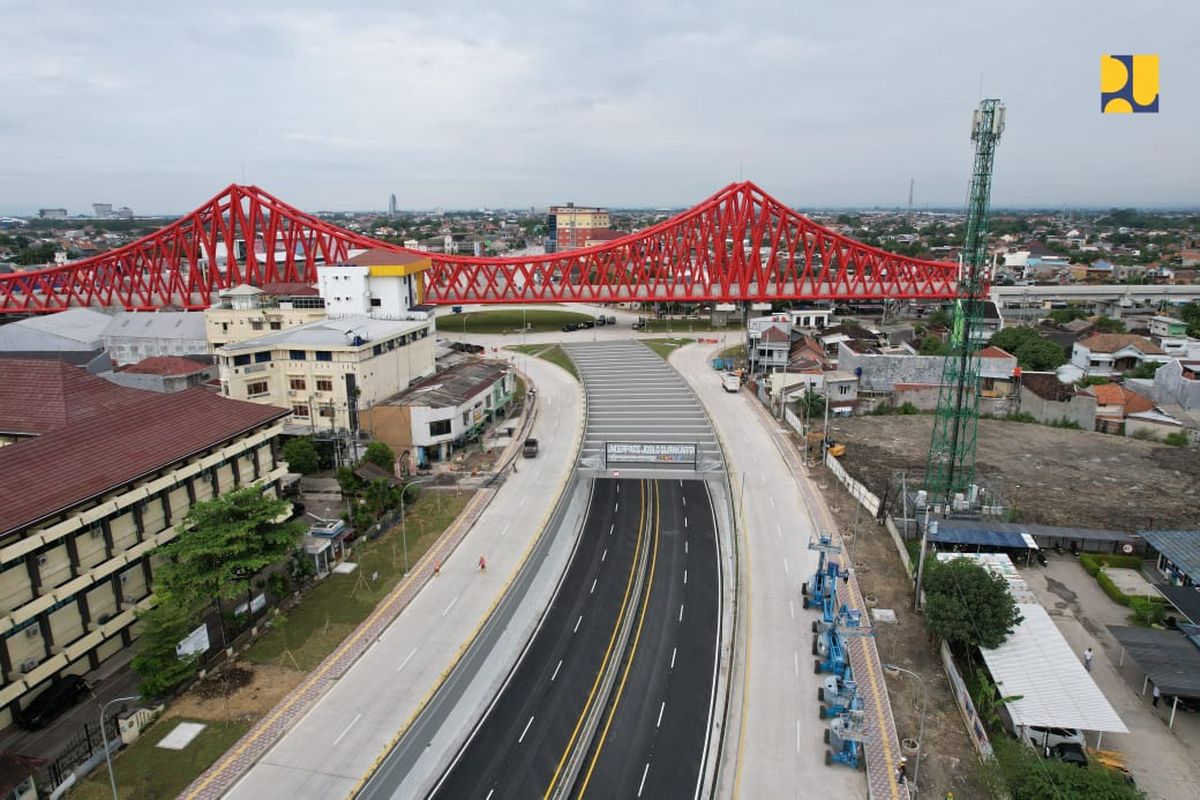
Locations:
column 902, row 771
column 1087, row 659
column 482, row 564
column 437, row 568
column 1157, row 695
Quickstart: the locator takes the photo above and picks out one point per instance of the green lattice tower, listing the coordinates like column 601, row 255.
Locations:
column 951, row 466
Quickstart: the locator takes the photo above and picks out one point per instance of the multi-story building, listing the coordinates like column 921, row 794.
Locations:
column 87, row 502
column 378, row 282
column 245, row 312
column 426, row 422
column 102, row 210
column 326, row 371
column 570, row 227
column 52, row 213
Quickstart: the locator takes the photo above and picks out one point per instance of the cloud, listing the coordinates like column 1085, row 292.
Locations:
column 464, row 103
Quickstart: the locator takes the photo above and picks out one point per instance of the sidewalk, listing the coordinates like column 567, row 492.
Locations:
column 1165, row 764
column 329, row 732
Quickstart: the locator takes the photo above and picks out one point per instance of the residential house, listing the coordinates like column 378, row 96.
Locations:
column 1049, row 400
column 165, row 374
column 768, row 345
column 1110, row 354
column 1121, row 410
column 1178, row 555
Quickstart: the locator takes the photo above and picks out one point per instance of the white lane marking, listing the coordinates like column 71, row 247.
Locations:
column 772, row 499
column 452, row 602
column 681, row 612
column 577, row 624
column 593, row 589
column 521, row 738
column 642, row 785
column 604, row 555
column 503, row 531
column 685, row 522
column 779, row 530
column 685, row 577
column 792, row 608
column 556, row 669
column 660, row 713
column 797, row 736
column 354, row 721
column 685, row 547
column 796, row 663
column 610, row 528
column 406, row 659
column 786, row 570
column 685, row 501
column 617, row 507
column 673, row 649
column 489, row 794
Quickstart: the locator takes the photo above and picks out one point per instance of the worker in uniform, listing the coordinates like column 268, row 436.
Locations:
column 902, row 771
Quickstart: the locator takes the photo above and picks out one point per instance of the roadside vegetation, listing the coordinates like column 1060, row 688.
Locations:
column 664, row 347
column 509, row 320
column 548, row 352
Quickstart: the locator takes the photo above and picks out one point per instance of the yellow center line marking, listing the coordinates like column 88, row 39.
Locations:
column 607, row 652
column 612, row 712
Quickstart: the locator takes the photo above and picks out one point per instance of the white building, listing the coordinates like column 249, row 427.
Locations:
column 380, row 283
column 1110, row 354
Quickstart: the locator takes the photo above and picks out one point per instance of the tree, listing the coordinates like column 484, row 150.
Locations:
column 223, row 544
column 301, row 455
column 1040, row 355
column 965, row 604
column 932, row 346
column 1069, row 314
column 380, row 454
column 1011, row 339
column 810, row 404
column 1144, row 370
column 1191, row 315
column 941, row 317
column 1022, row 773
column 1109, row 325
column 158, row 664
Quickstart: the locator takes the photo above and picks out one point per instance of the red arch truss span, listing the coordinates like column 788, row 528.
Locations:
column 739, row 244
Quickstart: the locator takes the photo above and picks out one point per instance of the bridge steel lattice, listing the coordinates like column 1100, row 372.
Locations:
column 740, row 244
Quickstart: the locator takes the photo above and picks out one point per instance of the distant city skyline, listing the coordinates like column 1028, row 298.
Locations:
column 641, row 105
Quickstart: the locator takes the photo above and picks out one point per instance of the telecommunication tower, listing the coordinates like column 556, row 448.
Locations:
column 951, row 466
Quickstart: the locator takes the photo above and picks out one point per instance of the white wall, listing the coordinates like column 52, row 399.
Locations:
column 344, row 289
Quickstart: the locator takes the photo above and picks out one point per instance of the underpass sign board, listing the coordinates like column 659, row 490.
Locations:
column 650, row 453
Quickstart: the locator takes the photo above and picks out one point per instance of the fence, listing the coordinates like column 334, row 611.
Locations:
column 962, row 698
column 859, row 492
column 78, row 750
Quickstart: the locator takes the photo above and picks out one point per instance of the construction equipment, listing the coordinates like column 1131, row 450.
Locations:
column 845, row 736
column 841, row 701
column 830, row 644
column 824, row 579
column 951, row 465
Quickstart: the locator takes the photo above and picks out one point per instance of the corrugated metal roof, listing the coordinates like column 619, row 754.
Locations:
column 1184, row 598
column 948, row 532
column 1182, row 547
column 1036, row 664
column 1168, row 658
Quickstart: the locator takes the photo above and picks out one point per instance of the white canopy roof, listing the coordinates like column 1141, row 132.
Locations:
column 1036, row 663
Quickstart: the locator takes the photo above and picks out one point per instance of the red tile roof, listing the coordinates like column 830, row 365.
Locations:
column 1108, row 394
column 994, row 352
column 291, row 289
column 49, row 474
column 1112, row 342
column 39, row 396
column 165, row 365
column 773, row 334
column 1136, row 403
column 380, row 257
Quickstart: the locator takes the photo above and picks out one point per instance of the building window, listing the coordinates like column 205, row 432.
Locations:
column 844, row 389
column 296, row 384
column 276, row 326
column 324, row 384
column 257, row 388
column 376, row 302
column 256, row 325
column 300, row 410
column 261, row 356
column 377, row 350
column 439, row 428
column 326, row 412
column 241, row 361
column 296, row 355
column 324, row 355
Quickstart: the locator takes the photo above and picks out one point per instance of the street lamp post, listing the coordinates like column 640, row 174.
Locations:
column 921, row 731
column 112, row 778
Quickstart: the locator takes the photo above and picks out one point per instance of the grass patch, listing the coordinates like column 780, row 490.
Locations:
column 552, row 353
column 147, row 772
column 737, row 352
column 655, row 325
column 336, row 605
column 506, row 320
column 664, row 347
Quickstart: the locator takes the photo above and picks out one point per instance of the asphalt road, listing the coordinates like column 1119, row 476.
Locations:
column 518, row 747
column 653, row 738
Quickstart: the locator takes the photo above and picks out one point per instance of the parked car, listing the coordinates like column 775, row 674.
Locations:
column 611, row 319
column 63, row 693
column 570, row 326
column 530, row 448
column 1041, row 736
column 587, row 323
column 601, row 320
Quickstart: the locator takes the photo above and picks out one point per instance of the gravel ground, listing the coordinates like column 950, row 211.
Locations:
column 1052, row 476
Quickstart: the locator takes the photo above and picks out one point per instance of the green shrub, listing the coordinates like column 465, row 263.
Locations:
column 1147, row 611
column 1111, row 589
column 907, row 409
column 1176, row 439
column 1145, row 436
column 1021, row 416
column 1063, row 422
column 1091, row 563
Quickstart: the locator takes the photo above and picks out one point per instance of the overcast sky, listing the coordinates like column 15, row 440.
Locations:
column 463, row 103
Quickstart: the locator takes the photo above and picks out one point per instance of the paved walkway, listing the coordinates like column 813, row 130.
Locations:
column 774, row 746
column 1165, row 764
column 327, row 734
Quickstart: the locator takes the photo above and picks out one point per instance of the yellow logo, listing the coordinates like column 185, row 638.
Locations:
column 1129, row 84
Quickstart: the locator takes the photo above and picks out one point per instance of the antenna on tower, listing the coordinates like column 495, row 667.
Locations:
column 908, row 219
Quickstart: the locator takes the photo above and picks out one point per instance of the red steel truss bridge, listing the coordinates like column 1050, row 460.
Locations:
column 741, row 244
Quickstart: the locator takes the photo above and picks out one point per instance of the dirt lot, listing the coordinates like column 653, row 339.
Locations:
column 949, row 761
column 243, row 692
column 1052, row 476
